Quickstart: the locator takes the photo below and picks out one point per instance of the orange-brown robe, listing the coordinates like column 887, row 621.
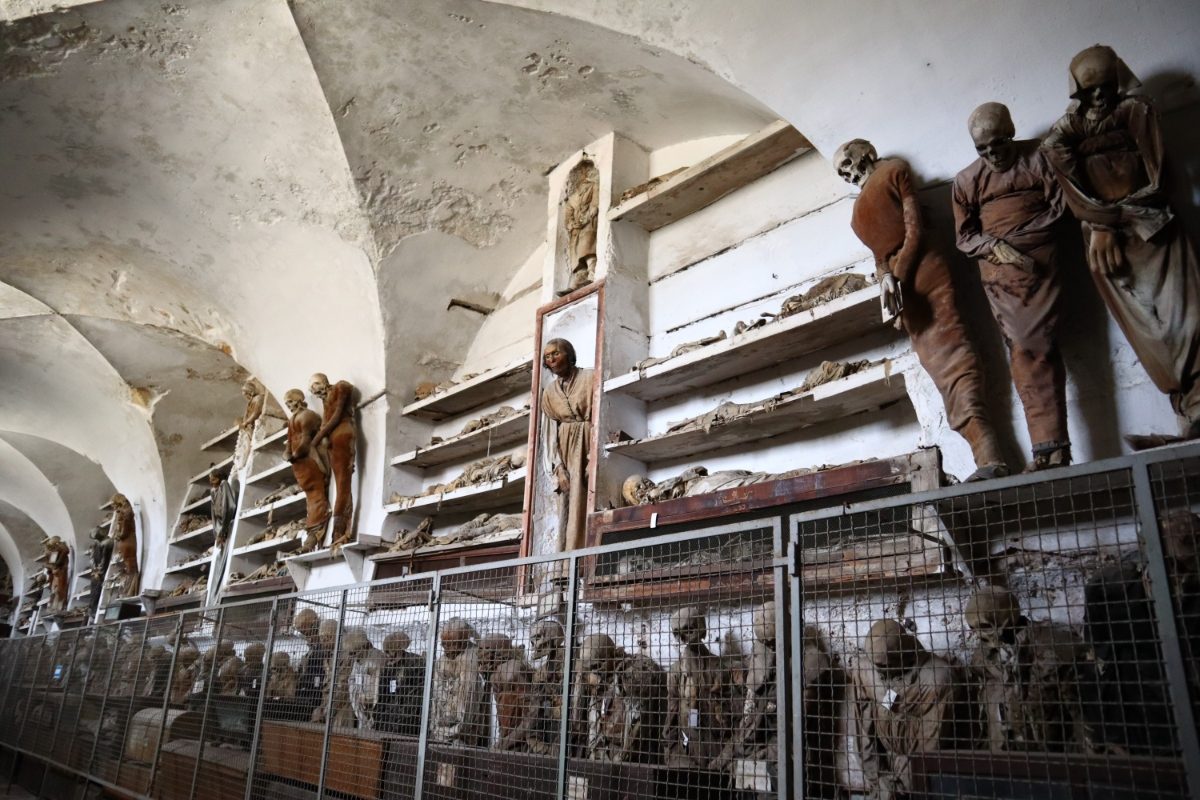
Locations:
column 1020, row 206
column 1111, row 171
column 310, row 468
column 338, row 426
column 887, row 218
column 569, row 403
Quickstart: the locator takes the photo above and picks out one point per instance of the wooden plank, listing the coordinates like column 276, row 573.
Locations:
column 707, row 182
column 493, row 385
column 820, row 485
column 507, row 431
column 229, row 433
column 809, row 331
column 872, row 388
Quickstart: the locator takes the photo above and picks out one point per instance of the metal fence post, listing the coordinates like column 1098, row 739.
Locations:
column 1168, row 630
column 783, row 661
column 435, row 609
column 333, row 661
column 212, row 673
column 564, row 731
column 166, row 704
column 794, row 614
column 252, row 767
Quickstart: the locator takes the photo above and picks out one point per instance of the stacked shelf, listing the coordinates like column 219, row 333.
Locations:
column 447, row 415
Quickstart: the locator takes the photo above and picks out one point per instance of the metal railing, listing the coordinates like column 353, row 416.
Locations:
column 1032, row 636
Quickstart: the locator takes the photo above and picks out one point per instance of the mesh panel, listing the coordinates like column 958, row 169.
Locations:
column 674, row 688
column 995, row 644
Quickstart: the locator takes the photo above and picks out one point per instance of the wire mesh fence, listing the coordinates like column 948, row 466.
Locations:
column 1034, row 638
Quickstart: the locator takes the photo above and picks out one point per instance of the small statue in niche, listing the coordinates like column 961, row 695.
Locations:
column 57, row 556
column 458, row 714
column 1028, row 675
column 256, row 402
column 622, row 697
column 1108, row 152
column 910, row 701
column 581, row 219
column 310, row 466
column 339, row 431
column 281, row 681
column 567, row 401
column 1006, row 206
column 917, row 289
column 701, row 709
column 250, row 679
column 401, row 687
column 124, row 535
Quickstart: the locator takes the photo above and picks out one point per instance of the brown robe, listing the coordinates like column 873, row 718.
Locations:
column 309, row 469
column 887, row 218
column 125, row 544
column 338, row 429
column 1020, row 206
column 1111, row 171
column 569, row 404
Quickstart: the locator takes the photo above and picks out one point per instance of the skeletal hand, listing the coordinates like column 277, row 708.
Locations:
column 889, row 295
column 1104, row 252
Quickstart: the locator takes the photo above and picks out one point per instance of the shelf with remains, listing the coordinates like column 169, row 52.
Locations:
column 291, row 504
column 270, row 546
column 872, row 387
column 190, row 566
column 808, row 331
column 276, row 438
column 273, row 585
column 268, row 472
column 229, row 435
column 481, row 497
column 197, row 504
column 488, row 387
column 508, row 431
column 201, row 535
column 499, row 540
column 703, row 184
column 202, row 475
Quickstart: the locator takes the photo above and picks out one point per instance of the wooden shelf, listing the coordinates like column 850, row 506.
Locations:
column 230, row 433
column 199, row 535
column 707, row 182
column 442, row 549
column 484, row 497
column 278, row 504
column 195, row 505
column 280, row 583
column 872, row 388
column 189, row 566
column 322, row 554
column 493, row 385
column 266, row 473
column 508, row 431
column 278, row 436
column 823, row 326
column 180, row 601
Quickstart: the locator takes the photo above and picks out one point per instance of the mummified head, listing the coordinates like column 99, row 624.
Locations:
column 992, row 131
column 855, row 161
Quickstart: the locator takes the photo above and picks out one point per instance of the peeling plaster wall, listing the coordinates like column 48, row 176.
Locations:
column 57, row 382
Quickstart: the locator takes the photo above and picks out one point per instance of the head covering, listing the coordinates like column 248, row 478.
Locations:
column 1098, row 65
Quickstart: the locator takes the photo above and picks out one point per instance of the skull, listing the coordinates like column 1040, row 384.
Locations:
column 890, row 646
column 187, row 655
column 396, row 644
column 318, row 384
column 280, row 661
column 1096, row 75
column 456, row 635
column 254, row 653
column 294, row 400
column 355, row 641
column 225, row 649
column 596, row 654
column 546, row 638
column 764, row 623
column 855, row 161
column 992, row 130
column 306, row 622
column 689, row 626
column 494, row 649
column 251, row 389
column 635, row 491
column 327, row 633
column 991, row 612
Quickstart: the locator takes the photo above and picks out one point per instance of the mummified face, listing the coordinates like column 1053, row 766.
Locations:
column 855, row 161
column 992, row 130
column 991, row 612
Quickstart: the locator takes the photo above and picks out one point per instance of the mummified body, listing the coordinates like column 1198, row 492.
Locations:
column 622, row 696
column 702, row 708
